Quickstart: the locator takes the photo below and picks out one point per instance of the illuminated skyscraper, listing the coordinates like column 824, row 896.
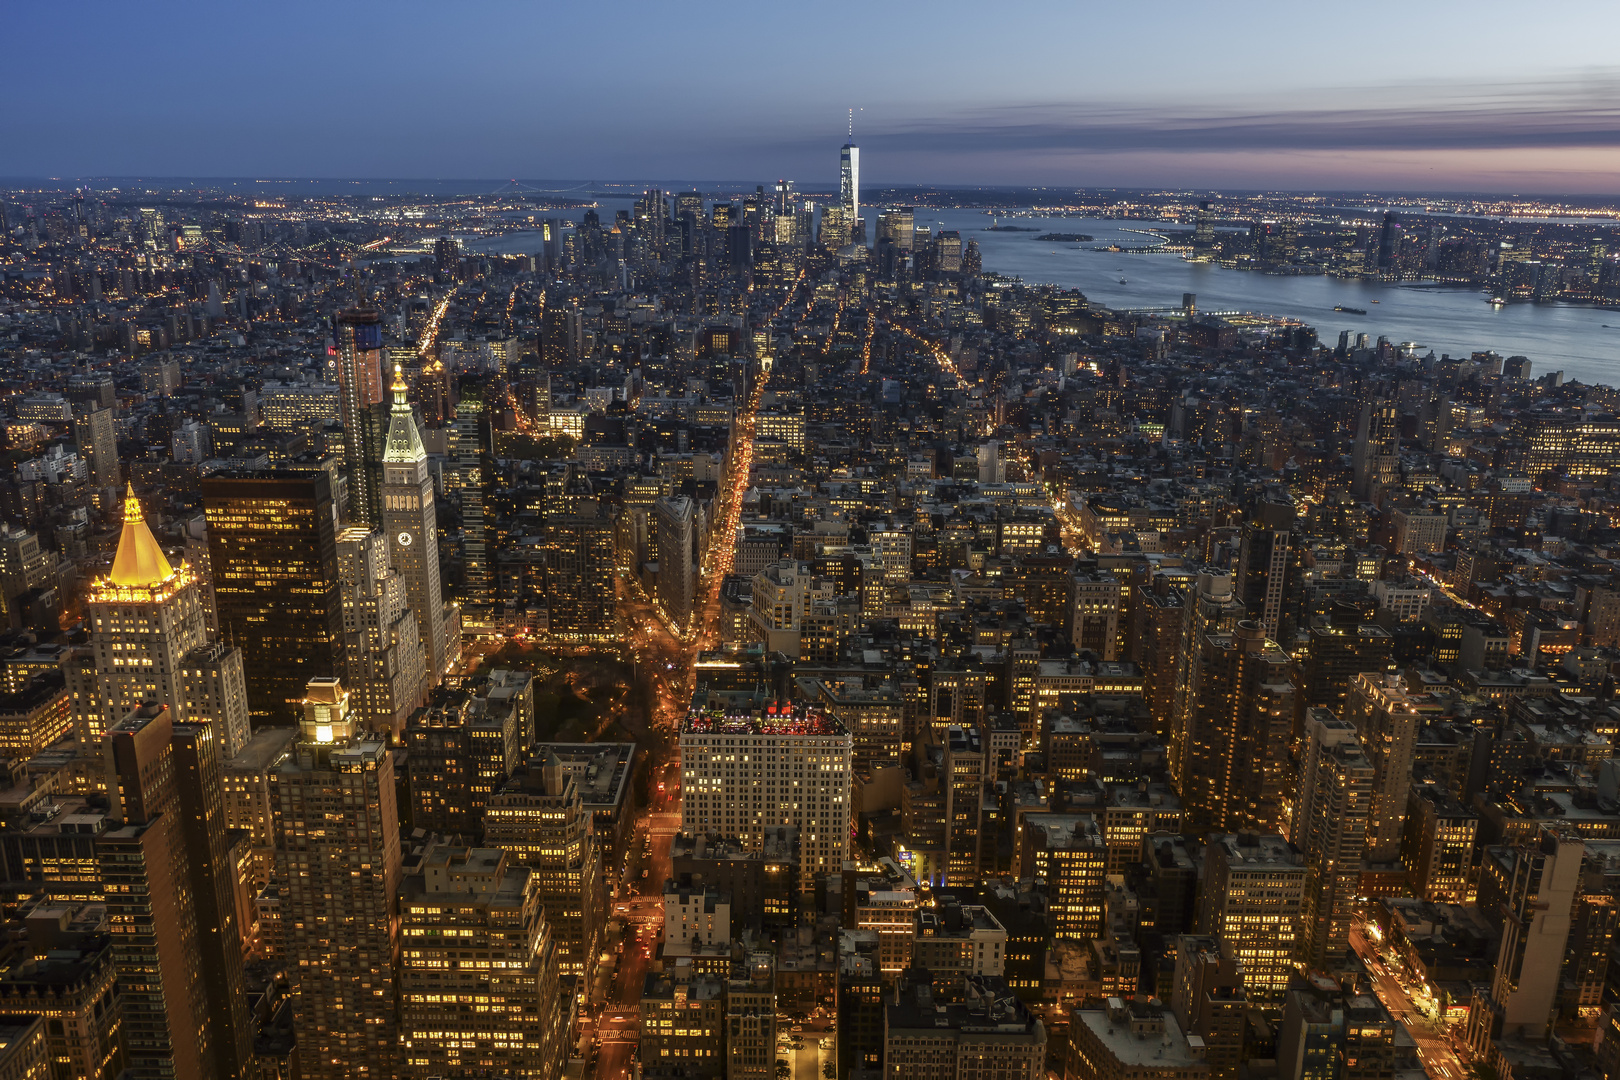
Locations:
column 446, row 253
column 1387, row 719
column 1068, row 852
column 148, row 642
column 579, row 575
column 897, row 225
column 469, row 447
column 1204, row 225
column 360, row 387
column 98, row 442
column 964, row 797
column 1237, row 760
column 382, row 655
column 499, row 1015
column 338, row 859
column 145, row 615
column 1209, row 606
column 538, row 817
column 1437, row 845
column 787, row 199
column 411, row 522
column 273, row 551
column 796, row 773
column 1377, row 451
column 849, row 183
column 835, row 224
column 677, row 567
column 1330, row 826
column 176, row 944
column 1254, row 887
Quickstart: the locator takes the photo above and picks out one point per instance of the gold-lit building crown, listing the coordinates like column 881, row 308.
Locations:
column 140, row 562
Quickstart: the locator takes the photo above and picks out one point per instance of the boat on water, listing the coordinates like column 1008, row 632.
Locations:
column 1350, row 310
column 1496, row 301
column 1122, row 281
column 1375, row 301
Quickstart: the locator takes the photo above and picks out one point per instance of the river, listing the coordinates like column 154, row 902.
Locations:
column 1582, row 342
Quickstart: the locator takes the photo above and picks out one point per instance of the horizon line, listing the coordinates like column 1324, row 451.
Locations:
column 14, row 183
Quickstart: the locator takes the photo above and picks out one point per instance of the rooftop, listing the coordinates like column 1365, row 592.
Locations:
column 1141, row 1034
column 602, row 770
column 777, row 719
column 1062, row 831
column 262, row 750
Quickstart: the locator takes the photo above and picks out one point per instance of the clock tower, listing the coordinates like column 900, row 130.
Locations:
column 412, row 526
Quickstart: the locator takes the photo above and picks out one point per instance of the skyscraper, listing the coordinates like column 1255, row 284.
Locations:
column 797, row 774
column 1209, row 1001
column 176, row 941
column 1069, row 853
column 469, row 446
column 1526, row 891
column 1330, row 826
column 849, row 183
column 97, row 442
column 272, row 540
column 145, row 615
column 1376, row 460
column 1335, row 653
column 1209, row 606
column 1387, row 719
column 358, row 332
column 897, row 225
column 499, row 1015
column 1204, row 225
column 411, row 522
column 148, row 642
column 964, row 796
column 538, row 817
column 677, row 569
column 580, row 564
column 786, row 199
column 1389, row 240
column 383, row 667
column 338, row 858
column 200, row 784
column 1238, row 742
column 1264, row 561
column 460, row 748
column 1254, row 887
column 835, row 225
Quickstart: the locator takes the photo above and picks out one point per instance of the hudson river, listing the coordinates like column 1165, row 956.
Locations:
column 1556, row 337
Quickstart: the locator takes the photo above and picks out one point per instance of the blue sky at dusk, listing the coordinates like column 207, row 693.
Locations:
column 1437, row 96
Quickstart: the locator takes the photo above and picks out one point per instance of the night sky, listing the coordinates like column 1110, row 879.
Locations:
column 1370, row 96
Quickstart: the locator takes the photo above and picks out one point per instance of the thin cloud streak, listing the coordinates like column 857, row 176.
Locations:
column 1582, row 112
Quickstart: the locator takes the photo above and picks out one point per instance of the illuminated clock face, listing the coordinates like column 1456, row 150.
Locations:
column 404, row 539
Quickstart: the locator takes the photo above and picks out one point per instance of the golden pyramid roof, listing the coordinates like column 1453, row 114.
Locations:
column 139, row 561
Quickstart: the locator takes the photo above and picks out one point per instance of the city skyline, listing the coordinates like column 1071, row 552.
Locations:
column 1262, row 96
column 812, row 628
